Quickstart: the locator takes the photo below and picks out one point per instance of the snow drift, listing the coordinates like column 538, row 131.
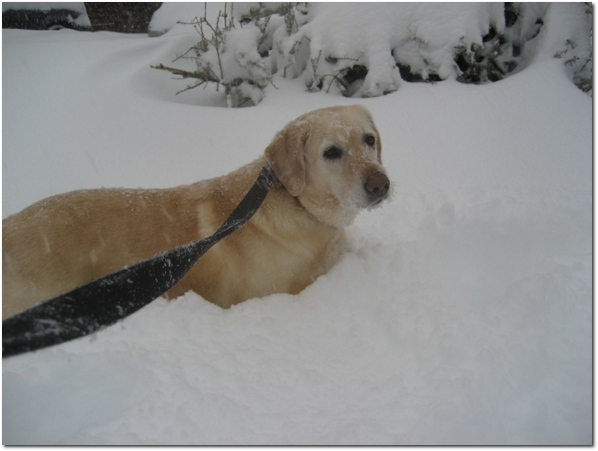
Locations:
column 462, row 314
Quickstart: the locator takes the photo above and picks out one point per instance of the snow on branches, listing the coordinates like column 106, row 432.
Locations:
column 227, row 57
column 364, row 49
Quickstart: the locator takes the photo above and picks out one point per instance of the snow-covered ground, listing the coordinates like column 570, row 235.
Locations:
column 462, row 315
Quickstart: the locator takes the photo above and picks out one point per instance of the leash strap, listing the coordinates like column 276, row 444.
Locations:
column 109, row 299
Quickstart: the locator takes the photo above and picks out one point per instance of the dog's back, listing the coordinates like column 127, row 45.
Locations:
column 65, row 241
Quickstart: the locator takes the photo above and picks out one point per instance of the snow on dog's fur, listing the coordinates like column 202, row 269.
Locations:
column 328, row 163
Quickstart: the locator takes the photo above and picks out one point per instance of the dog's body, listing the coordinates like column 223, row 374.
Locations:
column 329, row 167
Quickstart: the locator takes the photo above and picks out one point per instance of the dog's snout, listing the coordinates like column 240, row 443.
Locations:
column 377, row 185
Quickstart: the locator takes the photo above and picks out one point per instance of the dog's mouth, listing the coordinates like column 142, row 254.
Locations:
column 376, row 202
column 377, row 187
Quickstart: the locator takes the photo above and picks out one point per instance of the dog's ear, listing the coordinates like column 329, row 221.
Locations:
column 286, row 156
column 378, row 144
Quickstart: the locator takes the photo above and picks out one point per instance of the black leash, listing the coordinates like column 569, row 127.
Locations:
column 106, row 300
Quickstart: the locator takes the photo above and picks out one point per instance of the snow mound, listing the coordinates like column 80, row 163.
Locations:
column 462, row 313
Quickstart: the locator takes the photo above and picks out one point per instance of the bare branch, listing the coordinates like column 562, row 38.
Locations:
column 205, row 76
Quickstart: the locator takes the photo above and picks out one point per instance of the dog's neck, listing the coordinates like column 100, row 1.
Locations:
column 303, row 224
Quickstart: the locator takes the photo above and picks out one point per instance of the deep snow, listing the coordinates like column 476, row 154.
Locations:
column 462, row 315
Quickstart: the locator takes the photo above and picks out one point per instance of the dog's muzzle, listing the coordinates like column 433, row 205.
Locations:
column 376, row 186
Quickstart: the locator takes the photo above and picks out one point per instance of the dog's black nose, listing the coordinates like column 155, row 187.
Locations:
column 377, row 185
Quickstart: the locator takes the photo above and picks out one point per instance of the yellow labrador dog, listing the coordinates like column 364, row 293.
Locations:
column 329, row 167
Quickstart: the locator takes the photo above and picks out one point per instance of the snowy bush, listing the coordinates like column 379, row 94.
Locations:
column 359, row 51
column 368, row 54
column 503, row 48
column 229, row 57
column 576, row 50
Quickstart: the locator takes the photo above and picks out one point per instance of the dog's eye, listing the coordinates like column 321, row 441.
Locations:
column 370, row 140
column 333, row 153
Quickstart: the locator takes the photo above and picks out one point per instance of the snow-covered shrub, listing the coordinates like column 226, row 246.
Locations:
column 341, row 46
column 576, row 50
column 277, row 22
column 362, row 51
column 501, row 52
column 228, row 57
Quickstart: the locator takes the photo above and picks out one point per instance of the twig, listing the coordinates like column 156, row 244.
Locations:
column 204, row 76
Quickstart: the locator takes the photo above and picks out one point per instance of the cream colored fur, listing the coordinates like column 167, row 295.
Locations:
column 68, row 240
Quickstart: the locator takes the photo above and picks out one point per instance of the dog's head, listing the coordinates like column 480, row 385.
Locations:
column 330, row 160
